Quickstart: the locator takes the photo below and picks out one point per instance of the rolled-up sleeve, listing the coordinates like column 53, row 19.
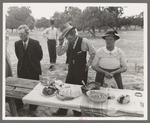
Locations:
column 86, row 46
column 60, row 50
column 96, row 59
column 45, row 32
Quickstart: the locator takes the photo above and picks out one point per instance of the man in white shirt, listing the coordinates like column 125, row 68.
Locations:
column 51, row 35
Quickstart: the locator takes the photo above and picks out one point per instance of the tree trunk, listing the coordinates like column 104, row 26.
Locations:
column 116, row 28
column 99, row 30
column 113, row 28
column 120, row 28
column 135, row 27
column 126, row 27
column 93, row 33
column 106, row 28
column 142, row 27
column 12, row 30
column 93, row 30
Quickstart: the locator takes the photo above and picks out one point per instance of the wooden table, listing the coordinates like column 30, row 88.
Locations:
column 17, row 88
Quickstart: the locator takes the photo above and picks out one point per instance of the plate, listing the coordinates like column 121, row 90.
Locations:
column 55, row 92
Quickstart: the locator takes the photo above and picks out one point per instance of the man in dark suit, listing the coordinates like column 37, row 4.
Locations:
column 29, row 54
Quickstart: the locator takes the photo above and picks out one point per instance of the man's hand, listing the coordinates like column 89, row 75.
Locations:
column 113, row 73
column 108, row 75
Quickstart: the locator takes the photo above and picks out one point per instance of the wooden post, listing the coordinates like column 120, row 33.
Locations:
column 12, row 107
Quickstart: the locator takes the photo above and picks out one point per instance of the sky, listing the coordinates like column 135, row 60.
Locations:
column 47, row 9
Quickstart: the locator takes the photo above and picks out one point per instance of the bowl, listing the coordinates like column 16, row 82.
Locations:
column 90, row 86
column 97, row 95
column 48, row 91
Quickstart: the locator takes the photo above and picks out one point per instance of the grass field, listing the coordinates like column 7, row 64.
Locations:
column 131, row 42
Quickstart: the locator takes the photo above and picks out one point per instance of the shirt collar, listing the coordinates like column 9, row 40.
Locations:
column 51, row 27
column 26, row 42
column 107, row 51
column 75, row 42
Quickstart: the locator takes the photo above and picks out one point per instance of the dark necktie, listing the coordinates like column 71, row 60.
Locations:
column 25, row 45
column 73, row 44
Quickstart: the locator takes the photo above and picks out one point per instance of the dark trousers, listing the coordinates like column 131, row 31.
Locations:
column 31, row 74
column 117, row 77
column 76, row 113
column 52, row 50
column 67, row 57
column 75, row 76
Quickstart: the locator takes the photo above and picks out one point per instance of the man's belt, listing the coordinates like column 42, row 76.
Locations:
column 51, row 39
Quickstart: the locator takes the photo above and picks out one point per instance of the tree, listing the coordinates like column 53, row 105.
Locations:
column 70, row 13
column 93, row 18
column 106, row 19
column 126, row 22
column 134, row 20
column 23, row 13
column 89, row 20
column 117, row 11
column 11, row 21
column 17, row 16
column 43, row 22
column 140, row 19
column 30, row 22
column 57, row 17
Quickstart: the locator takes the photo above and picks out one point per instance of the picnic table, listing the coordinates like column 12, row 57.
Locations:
column 30, row 92
column 17, row 88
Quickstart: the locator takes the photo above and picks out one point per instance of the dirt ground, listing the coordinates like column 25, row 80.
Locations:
column 131, row 42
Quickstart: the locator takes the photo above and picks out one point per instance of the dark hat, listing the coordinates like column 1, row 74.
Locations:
column 111, row 34
column 65, row 29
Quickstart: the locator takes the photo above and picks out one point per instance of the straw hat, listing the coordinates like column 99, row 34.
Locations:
column 65, row 29
column 111, row 34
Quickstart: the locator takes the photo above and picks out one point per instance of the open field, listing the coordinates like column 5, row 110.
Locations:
column 131, row 42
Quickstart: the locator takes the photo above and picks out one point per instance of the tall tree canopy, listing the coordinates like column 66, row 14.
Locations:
column 43, row 22
column 70, row 13
column 117, row 11
column 93, row 18
column 17, row 16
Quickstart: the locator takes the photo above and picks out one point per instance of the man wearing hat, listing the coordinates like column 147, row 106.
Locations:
column 51, row 35
column 78, row 66
column 67, row 53
column 109, row 60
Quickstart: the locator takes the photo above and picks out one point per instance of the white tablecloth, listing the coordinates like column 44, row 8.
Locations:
column 108, row 108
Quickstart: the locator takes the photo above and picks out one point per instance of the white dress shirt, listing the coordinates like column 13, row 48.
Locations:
column 50, row 33
column 26, row 43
